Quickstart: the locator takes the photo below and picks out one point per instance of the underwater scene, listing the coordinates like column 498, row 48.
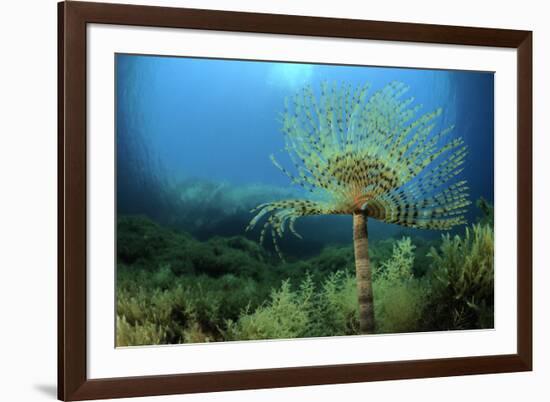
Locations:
column 272, row 200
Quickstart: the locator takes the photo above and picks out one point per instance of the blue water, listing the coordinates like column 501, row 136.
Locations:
column 216, row 120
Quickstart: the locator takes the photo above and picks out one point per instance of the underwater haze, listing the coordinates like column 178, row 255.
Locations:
column 194, row 138
column 217, row 121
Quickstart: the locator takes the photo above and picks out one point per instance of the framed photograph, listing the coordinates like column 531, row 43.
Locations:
column 253, row 200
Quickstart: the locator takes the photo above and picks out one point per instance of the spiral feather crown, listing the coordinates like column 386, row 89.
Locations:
column 376, row 154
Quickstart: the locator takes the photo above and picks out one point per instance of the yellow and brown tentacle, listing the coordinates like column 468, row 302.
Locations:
column 281, row 214
column 370, row 153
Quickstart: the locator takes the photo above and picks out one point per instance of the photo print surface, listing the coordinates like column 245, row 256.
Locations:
column 266, row 200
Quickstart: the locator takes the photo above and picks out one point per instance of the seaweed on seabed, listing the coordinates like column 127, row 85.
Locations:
column 401, row 298
column 487, row 212
column 158, row 303
column 329, row 307
column 463, row 281
column 148, row 245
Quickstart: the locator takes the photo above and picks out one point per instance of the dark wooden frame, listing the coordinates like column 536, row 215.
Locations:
column 73, row 17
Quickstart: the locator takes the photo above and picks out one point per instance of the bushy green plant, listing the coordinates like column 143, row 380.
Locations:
column 307, row 311
column 183, row 290
column 463, row 280
column 146, row 307
column 422, row 260
column 337, row 312
column 186, row 307
column 330, row 308
column 380, row 251
column 487, row 212
column 399, row 266
column 400, row 306
column 284, row 316
column 400, row 297
column 138, row 334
